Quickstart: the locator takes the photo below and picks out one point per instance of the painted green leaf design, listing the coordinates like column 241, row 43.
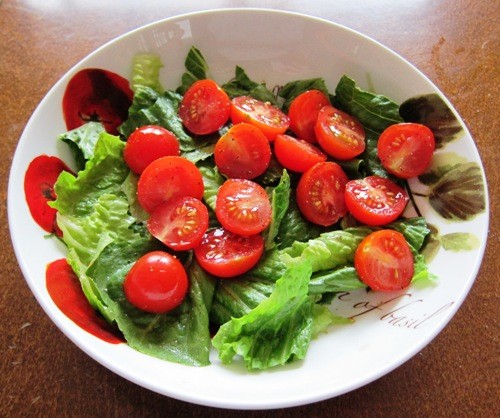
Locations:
column 459, row 194
column 432, row 111
column 460, row 241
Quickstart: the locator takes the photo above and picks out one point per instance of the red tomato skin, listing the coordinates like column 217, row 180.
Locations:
column 320, row 193
column 303, row 113
column 167, row 178
column 242, row 152
column 148, row 143
column 95, row 94
column 243, row 207
column 179, row 223
column 339, row 134
column 39, row 180
column 156, row 283
column 268, row 118
column 405, row 149
column 384, row 261
column 227, row 255
column 205, row 107
column 297, row 154
column 375, row 200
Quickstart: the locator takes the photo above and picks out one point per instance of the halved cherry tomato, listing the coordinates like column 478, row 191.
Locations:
column 303, row 113
column 39, row 181
column 243, row 207
column 205, row 107
column 147, row 144
column 375, row 200
column 167, row 178
column 339, row 134
column 384, row 261
column 99, row 95
column 268, row 118
column 226, row 255
column 179, row 223
column 242, row 152
column 320, row 193
column 405, row 149
column 296, row 154
column 156, row 283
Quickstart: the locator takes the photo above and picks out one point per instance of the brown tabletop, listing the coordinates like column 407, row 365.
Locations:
column 455, row 43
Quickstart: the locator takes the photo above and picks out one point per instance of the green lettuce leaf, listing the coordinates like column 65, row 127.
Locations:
column 293, row 88
column 196, row 69
column 82, row 141
column 280, row 199
column 146, row 72
column 242, row 85
column 277, row 331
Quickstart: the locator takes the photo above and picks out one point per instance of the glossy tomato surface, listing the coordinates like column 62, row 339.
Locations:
column 297, row 154
column 148, row 143
column 320, row 193
column 384, row 261
column 405, row 149
column 179, row 223
column 167, row 178
column 375, row 200
column 265, row 116
column 303, row 113
column 242, row 152
column 339, row 134
column 243, row 207
column 156, row 283
column 205, row 107
column 227, row 255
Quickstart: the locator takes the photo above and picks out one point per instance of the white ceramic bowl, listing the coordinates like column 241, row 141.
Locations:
column 274, row 47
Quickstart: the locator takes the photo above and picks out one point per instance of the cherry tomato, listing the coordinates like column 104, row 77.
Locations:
column 156, row 283
column 405, row 149
column 297, row 154
column 303, row 113
column 320, row 193
column 179, row 223
column 339, row 134
column 242, row 152
column 384, row 261
column 243, row 207
column 375, row 200
column 98, row 95
column 166, row 178
column 268, row 118
column 226, row 255
column 205, row 107
column 39, row 181
column 148, row 143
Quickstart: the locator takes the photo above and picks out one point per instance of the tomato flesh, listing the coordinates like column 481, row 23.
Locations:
column 339, row 134
column 320, row 193
column 39, row 180
column 205, row 107
column 268, row 118
column 227, row 255
column 242, row 152
column 297, row 154
column 148, row 143
column 156, row 283
column 98, row 95
column 375, row 200
column 179, row 223
column 303, row 113
column 167, row 178
column 405, row 149
column 384, row 261
column 243, row 207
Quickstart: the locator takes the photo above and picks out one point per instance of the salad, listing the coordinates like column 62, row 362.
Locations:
column 230, row 216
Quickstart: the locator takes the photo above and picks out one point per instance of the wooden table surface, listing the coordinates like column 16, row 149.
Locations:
column 455, row 43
